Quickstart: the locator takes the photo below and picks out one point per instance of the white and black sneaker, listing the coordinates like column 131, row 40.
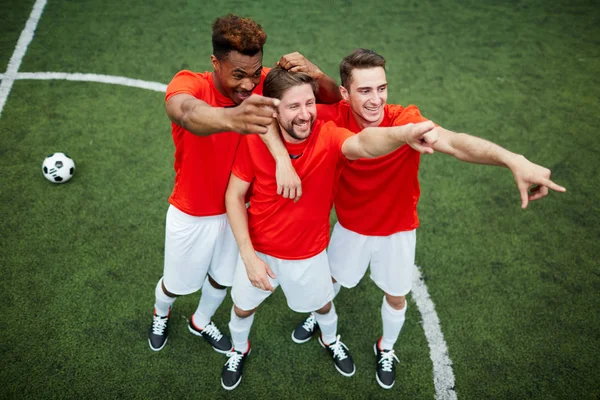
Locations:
column 386, row 369
column 158, row 331
column 341, row 356
column 233, row 369
column 219, row 341
column 305, row 330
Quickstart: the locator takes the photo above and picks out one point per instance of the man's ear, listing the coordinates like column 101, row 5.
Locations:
column 215, row 63
column 344, row 93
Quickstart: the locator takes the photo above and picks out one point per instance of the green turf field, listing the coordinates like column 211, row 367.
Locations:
column 516, row 292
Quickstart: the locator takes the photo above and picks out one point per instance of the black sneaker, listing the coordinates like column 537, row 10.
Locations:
column 233, row 369
column 305, row 330
column 386, row 369
column 341, row 356
column 158, row 331
column 219, row 341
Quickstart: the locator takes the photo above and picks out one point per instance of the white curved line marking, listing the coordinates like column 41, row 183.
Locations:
column 110, row 79
column 15, row 61
column 443, row 376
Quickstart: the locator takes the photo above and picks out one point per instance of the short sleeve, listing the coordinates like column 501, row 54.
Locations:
column 242, row 165
column 407, row 115
column 335, row 137
column 190, row 83
column 331, row 112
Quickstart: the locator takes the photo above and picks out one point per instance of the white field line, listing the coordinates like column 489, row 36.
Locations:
column 443, row 375
column 20, row 50
column 110, row 79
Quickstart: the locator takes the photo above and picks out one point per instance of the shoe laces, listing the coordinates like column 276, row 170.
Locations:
column 234, row 360
column 339, row 349
column 309, row 323
column 212, row 331
column 387, row 360
column 159, row 324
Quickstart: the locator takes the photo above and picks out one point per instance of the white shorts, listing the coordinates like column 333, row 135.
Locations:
column 392, row 259
column 306, row 283
column 195, row 246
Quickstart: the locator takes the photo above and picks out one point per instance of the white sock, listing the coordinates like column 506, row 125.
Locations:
column 240, row 331
column 328, row 325
column 392, row 324
column 336, row 289
column 210, row 300
column 162, row 303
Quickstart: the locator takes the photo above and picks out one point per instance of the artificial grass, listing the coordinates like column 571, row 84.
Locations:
column 516, row 291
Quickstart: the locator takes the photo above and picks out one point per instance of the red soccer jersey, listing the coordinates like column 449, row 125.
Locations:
column 279, row 227
column 378, row 197
column 202, row 163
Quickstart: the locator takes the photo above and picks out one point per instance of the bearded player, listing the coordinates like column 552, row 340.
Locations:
column 282, row 243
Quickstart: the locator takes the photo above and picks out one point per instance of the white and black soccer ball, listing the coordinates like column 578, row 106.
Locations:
column 58, row 167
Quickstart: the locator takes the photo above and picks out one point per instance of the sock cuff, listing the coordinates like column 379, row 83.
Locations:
column 239, row 324
column 210, row 290
column 386, row 307
column 161, row 295
column 326, row 318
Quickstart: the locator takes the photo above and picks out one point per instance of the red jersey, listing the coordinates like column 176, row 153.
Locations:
column 379, row 196
column 279, row 227
column 202, row 163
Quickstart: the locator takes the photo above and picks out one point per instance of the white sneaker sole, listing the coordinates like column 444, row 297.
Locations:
column 231, row 387
column 160, row 348
column 347, row 374
column 301, row 341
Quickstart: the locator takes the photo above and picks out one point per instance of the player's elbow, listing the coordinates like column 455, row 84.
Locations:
column 231, row 197
column 175, row 114
column 356, row 147
column 234, row 198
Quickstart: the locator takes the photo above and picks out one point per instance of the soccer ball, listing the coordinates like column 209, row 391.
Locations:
column 58, row 167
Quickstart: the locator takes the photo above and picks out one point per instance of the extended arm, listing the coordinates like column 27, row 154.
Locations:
column 376, row 142
column 472, row 149
column 237, row 215
column 329, row 91
column 202, row 119
column 480, row 151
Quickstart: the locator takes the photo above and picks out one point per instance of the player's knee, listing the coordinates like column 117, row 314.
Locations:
column 325, row 309
column 165, row 291
column 396, row 302
column 243, row 313
column 214, row 283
